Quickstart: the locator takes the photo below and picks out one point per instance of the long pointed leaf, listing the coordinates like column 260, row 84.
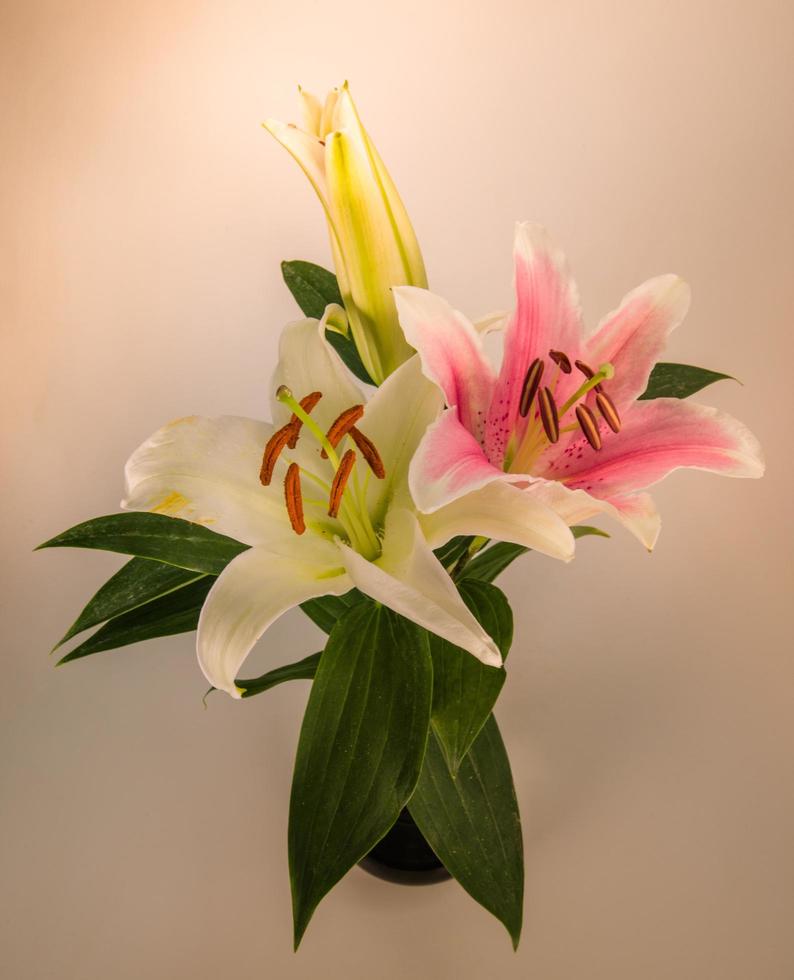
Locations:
column 326, row 611
column 360, row 750
column 301, row 670
column 464, row 689
column 473, row 824
column 140, row 581
column 490, row 563
column 679, row 380
column 166, row 539
column 177, row 612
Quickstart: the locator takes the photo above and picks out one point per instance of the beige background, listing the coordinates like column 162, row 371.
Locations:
column 649, row 710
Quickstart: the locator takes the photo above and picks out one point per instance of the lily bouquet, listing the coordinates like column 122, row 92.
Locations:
column 399, row 474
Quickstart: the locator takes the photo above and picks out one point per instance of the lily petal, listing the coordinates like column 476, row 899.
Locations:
column 409, row 579
column 251, row 593
column 657, row 437
column 448, row 464
column 307, row 363
column 307, row 150
column 547, row 316
column 207, row 471
column 395, row 419
column 634, row 335
column 506, row 513
column 451, row 352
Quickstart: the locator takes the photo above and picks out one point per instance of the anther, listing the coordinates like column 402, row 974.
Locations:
column 340, row 482
column 294, row 498
column 273, row 449
column 307, row 404
column 342, row 425
column 531, row 382
column 588, row 425
column 562, row 361
column 548, row 414
column 369, row 452
column 607, row 408
column 588, row 372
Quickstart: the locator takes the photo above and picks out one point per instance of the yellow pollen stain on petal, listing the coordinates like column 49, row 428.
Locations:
column 171, row 505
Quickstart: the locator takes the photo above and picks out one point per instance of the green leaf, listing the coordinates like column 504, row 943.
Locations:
column 176, row 612
column 301, row 670
column 326, row 611
column 348, row 352
column 453, row 550
column 680, row 380
column 473, row 824
column 166, row 539
column 314, row 288
column 491, row 562
column 464, row 689
column 136, row 583
column 360, row 750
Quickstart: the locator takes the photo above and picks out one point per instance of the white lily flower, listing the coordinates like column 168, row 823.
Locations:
column 212, row 471
column 372, row 239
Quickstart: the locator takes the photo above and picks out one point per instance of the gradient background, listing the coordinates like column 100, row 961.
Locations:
column 649, row 710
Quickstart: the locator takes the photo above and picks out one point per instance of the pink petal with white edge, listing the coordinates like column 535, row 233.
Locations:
column 451, row 353
column 547, row 317
column 448, row 464
column 634, row 335
column 636, row 512
column 657, row 437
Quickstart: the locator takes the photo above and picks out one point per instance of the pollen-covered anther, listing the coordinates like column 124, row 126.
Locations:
column 307, row 404
column 294, row 498
column 340, row 482
column 588, row 425
column 562, row 361
column 588, row 372
column 530, row 387
column 548, row 414
column 607, row 408
column 342, row 425
column 275, row 445
column 367, row 449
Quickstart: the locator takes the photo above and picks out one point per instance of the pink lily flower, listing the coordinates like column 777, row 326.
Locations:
column 561, row 420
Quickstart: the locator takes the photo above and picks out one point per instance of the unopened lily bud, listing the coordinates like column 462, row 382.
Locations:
column 372, row 240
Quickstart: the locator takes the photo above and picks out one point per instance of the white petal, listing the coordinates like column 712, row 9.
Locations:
column 308, row 363
column 251, row 593
column 207, row 471
column 503, row 512
column 395, row 419
column 409, row 579
column 307, row 150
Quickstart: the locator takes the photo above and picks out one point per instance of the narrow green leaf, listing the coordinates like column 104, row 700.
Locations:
column 314, row 288
column 473, row 824
column 136, row 583
column 491, row 562
column 176, row 612
column 679, row 380
column 326, row 611
column 166, row 539
column 360, row 750
column 464, row 689
column 453, row 550
column 299, row 671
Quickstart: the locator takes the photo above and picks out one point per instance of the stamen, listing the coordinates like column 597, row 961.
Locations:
column 342, row 425
column 340, row 482
column 273, row 449
column 294, row 498
column 531, row 382
column 369, row 452
column 588, row 372
column 307, row 404
column 607, row 408
column 588, row 425
column 548, row 414
column 562, row 361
